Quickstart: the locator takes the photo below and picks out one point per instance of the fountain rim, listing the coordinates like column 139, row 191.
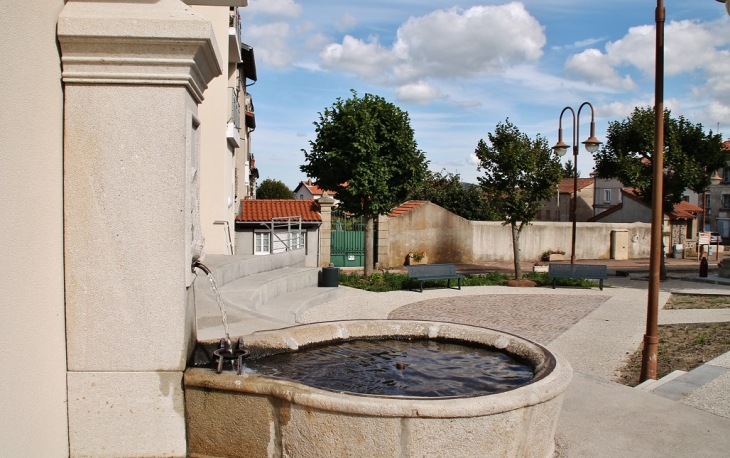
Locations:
column 552, row 380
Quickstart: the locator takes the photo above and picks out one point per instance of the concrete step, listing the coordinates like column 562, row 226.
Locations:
column 289, row 307
column 253, row 291
column 650, row 384
column 229, row 268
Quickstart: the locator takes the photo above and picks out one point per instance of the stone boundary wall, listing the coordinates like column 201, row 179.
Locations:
column 446, row 237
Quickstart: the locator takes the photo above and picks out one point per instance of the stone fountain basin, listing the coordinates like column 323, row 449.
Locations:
column 256, row 416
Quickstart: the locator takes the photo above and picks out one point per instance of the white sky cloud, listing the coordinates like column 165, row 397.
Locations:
column 276, row 51
column 346, row 22
column 280, row 8
column 419, row 92
column 445, row 44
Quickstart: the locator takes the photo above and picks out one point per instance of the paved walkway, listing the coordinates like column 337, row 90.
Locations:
column 596, row 331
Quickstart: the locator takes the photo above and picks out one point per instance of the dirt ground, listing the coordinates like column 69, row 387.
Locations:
column 684, row 346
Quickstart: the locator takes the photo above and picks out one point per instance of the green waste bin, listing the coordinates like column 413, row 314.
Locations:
column 330, row 277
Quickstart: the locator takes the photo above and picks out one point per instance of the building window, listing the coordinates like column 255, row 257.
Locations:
column 539, row 215
column 261, row 243
column 723, row 227
column 726, row 175
column 547, row 215
column 685, row 198
column 726, row 201
column 606, row 196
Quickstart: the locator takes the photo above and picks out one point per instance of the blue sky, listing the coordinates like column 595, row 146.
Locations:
column 460, row 68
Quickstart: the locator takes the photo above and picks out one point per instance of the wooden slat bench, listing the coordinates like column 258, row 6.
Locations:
column 426, row 272
column 589, row 271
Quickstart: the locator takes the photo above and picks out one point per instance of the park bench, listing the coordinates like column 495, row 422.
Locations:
column 426, row 272
column 590, row 271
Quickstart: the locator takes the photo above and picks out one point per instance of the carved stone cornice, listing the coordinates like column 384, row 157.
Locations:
column 140, row 43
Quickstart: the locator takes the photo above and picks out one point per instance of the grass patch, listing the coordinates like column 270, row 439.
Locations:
column 697, row 301
column 681, row 347
column 387, row 281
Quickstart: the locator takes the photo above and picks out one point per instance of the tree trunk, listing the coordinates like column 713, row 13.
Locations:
column 369, row 234
column 516, row 250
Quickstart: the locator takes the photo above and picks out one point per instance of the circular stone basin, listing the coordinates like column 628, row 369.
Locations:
column 255, row 415
column 393, row 367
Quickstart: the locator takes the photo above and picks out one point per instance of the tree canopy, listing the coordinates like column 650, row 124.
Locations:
column 366, row 152
column 690, row 155
column 273, row 189
column 569, row 169
column 519, row 173
column 448, row 191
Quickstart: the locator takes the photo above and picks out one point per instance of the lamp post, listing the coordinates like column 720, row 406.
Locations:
column 650, row 352
column 561, row 148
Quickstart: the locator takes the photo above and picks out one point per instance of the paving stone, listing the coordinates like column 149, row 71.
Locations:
column 540, row 319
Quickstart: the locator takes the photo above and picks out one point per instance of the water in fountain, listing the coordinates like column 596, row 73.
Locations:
column 421, row 368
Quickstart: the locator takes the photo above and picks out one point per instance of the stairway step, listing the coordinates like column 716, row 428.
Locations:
column 650, row 384
column 253, row 291
column 289, row 307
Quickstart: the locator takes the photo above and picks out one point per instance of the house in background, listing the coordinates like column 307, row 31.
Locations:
column 559, row 207
column 681, row 223
column 309, row 190
column 607, row 193
column 718, row 203
column 225, row 140
column 269, row 226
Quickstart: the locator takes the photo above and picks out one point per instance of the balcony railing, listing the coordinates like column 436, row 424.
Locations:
column 235, row 107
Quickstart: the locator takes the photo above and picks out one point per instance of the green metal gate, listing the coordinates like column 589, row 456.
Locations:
column 347, row 248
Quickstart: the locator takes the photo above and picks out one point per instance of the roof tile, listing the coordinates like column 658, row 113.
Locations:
column 406, row 207
column 265, row 209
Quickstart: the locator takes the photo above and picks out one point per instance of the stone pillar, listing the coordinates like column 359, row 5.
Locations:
column 134, row 73
column 325, row 230
column 384, row 260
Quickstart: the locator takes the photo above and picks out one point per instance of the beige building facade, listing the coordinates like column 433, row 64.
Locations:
column 227, row 117
column 101, row 151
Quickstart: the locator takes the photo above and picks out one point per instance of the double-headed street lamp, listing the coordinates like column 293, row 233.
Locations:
column 561, row 148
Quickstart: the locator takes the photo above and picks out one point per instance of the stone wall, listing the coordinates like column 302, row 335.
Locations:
column 446, row 237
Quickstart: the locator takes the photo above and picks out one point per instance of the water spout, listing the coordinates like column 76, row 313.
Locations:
column 219, row 299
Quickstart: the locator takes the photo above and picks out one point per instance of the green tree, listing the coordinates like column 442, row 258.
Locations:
column 569, row 170
column 519, row 173
column 448, row 191
column 690, row 157
column 366, row 152
column 273, row 189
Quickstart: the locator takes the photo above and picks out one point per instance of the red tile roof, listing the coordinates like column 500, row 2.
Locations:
column 682, row 210
column 685, row 210
column 406, row 207
column 265, row 209
column 313, row 188
column 566, row 186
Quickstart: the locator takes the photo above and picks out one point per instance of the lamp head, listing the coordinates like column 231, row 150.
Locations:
column 592, row 144
column 560, row 148
column 715, row 178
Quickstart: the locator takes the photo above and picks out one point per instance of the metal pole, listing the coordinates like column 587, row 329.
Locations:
column 575, row 186
column 651, row 338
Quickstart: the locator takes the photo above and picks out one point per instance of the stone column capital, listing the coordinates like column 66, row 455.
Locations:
column 138, row 43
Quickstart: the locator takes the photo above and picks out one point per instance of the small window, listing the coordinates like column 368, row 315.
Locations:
column 539, row 215
column 261, row 243
column 606, row 196
column 726, row 201
column 685, row 198
column 726, row 175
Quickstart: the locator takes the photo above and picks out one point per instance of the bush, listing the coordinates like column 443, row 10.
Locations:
column 386, row 281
